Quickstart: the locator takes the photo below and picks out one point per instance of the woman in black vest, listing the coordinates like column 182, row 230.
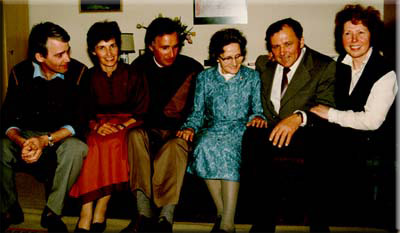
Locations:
column 363, row 120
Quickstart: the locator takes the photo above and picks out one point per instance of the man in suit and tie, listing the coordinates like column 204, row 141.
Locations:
column 294, row 79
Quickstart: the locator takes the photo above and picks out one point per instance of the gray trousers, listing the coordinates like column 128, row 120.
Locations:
column 70, row 154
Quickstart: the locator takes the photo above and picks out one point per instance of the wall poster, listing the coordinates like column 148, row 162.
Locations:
column 220, row 12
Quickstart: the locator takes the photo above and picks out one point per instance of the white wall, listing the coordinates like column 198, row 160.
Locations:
column 316, row 16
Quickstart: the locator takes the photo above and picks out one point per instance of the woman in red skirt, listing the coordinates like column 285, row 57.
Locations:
column 118, row 99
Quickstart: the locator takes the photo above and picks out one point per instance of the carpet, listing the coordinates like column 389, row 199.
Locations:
column 23, row 230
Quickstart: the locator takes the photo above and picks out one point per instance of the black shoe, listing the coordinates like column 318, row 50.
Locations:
column 98, row 227
column 81, row 230
column 262, row 228
column 141, row 224
column 52, row 222
column 163, row 225
column 14, row 215
column 78, row 229
column 217, row 225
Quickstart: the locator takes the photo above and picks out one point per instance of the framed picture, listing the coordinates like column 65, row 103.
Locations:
column 100, row 5
column 220, row 12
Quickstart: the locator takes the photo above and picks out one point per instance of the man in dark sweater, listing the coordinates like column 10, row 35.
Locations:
column 157, row 157
column 40, row 119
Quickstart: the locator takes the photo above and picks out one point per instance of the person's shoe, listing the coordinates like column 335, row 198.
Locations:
column 14, row 215
column 81, row 230
column 163, row 225
column 98, row 227
column 141, row 224
column 262, row 228
column 52, row 222
column 217, row 225
column 78, row 229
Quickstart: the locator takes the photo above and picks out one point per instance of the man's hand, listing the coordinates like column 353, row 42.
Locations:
column 257, row 122
column 33, row 147
column 107, row 128
column 321, row 110
column 284, row 130
column 186, row 134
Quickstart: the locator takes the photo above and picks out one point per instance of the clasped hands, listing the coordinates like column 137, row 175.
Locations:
column 32, row 148
column 188, row 133
column 109, row 128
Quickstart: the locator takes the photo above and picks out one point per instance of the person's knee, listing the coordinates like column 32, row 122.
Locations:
column 177, row 148
column 74, row 150
column 136, row 134
column 8, row 150
column 178, row 143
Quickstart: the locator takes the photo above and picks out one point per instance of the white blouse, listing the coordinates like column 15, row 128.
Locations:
column 381, row 97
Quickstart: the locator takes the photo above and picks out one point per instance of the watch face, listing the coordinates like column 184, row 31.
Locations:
column 50, row 139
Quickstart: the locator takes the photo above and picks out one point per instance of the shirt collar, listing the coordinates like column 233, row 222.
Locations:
column 37, row 72
column 158, row 64
column 226, row 76
column 348, row 60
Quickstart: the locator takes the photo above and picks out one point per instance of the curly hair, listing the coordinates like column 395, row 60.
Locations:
column 368, row 16
column 102, row 31
column 222, row 38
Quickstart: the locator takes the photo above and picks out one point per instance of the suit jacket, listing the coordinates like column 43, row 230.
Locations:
column 312, row 84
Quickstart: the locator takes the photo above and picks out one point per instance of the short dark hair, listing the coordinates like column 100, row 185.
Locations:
column 278, row 25
column 39, row 35
column 102, row 31
column 161, row 26
column 368, row 16
column 222, row 38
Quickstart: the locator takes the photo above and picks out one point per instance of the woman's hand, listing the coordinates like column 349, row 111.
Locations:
column 186, row 134
column 107, row 128
column 321, row 111
column 257, row 122
column 126, row 124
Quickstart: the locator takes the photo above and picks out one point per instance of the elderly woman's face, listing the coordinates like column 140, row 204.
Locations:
column 356, row 40
column 231, row 59
column 106, row 53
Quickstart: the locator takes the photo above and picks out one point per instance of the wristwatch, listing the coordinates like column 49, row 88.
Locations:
column 50, row 139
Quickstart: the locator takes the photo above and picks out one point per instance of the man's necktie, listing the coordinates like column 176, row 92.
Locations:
column 284, row 84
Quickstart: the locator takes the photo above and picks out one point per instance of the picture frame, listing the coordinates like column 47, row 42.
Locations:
column 87, row 6
column 219, row 12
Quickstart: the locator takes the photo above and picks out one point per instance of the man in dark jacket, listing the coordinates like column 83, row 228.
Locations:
column 40, row 121
column 157, row 157
column 295, row 79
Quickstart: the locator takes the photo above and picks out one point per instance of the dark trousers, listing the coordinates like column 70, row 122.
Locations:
column 279, row 177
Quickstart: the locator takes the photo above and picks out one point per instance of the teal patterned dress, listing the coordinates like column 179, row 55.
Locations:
column 220, row 113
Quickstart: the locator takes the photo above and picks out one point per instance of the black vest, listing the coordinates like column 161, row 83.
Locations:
column 374, row 70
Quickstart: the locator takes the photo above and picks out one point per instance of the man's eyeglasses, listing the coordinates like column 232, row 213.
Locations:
column 230, row 59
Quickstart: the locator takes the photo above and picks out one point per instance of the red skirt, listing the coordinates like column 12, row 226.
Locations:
column 106, row 167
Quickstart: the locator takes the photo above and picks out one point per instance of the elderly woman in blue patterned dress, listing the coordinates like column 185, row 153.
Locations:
column 227, row 99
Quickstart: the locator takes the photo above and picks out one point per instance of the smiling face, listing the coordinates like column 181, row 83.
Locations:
column 165, row 48
column 286, row 47
column 231, row 59
column 107, row 54
column 57, row 59
column 356, row 40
